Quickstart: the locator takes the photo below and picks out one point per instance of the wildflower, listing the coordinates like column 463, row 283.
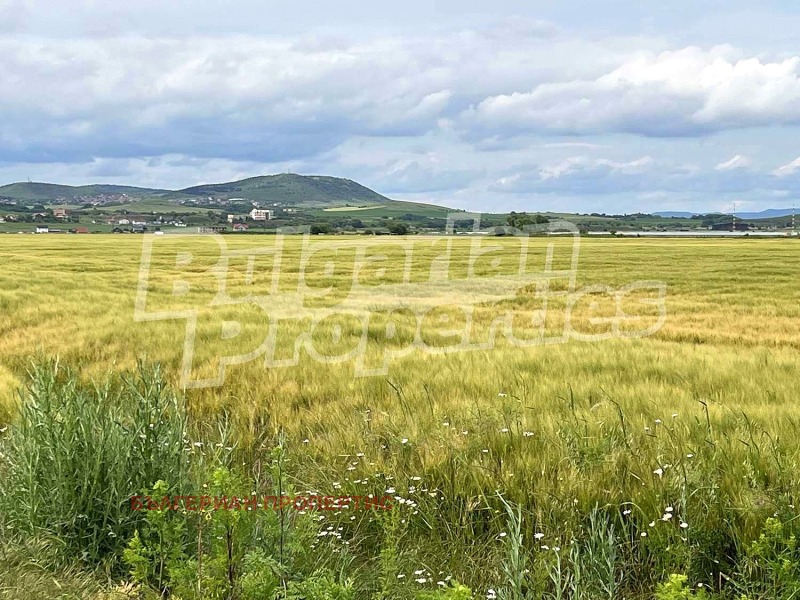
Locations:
column 658, row 421
column 501, row 395
column 442, row 583
column 538, row 536
column 491, row 594
column 684, row 525
column 644, row 534
column 305, row 441
column 626, row 512
column 652, row 523
column 390, row 490
column 674, row 415
column 690, row 456
column 198, row 444
column 668, row 509
column 556, row 548
column 502, row 535
column 485, row 451
column 465, row 432
column 527, row 434
column 666, row 517
column 659, row 471
column 545, row 547
column 420, row 572
column 504, row 430
column 404, row 441
column 401, row 576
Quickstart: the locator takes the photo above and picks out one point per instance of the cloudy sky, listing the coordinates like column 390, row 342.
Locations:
column 493, row 106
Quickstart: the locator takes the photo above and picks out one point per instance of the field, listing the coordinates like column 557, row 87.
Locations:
column 581, row 468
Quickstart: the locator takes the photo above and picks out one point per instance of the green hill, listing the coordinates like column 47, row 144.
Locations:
column 51, row 192
column 308, row 191
column 289, row 189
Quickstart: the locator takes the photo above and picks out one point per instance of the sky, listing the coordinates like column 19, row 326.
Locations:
column 612, row 106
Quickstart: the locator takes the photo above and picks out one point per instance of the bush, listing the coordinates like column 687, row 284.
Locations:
column 78, row 453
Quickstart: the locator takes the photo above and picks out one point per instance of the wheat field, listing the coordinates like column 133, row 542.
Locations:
column 698, row 415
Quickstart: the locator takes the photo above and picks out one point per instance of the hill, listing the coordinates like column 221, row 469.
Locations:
column 50, row 192
column 292, row 190
column 286, row 189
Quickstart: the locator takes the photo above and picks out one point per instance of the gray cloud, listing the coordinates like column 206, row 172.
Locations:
column 175, row 108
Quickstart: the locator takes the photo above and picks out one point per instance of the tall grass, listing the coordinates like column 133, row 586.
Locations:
column 78, row 451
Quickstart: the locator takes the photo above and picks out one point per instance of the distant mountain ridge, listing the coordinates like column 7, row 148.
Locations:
column 769, row 213
column 285, row 188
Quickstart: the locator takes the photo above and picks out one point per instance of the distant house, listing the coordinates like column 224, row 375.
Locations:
column 240, row 227
column 211, row 229
column 81, row 230
column 123, row 222
column 42, row 229
column 258, row 214
column 60, row 213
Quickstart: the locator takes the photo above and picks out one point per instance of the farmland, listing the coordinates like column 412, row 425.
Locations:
column 632, row 457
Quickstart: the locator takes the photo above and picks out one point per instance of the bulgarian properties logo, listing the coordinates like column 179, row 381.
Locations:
column 371, row 300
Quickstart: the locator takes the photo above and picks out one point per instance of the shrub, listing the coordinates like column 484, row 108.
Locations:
column 78, row 453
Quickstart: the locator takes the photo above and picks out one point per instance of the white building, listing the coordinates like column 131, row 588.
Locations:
column 258, row 214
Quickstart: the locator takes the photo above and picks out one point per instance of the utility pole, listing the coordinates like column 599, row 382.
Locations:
column 793, row 229
column 734, row 216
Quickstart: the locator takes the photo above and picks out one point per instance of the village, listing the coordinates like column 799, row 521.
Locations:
column 61, row 220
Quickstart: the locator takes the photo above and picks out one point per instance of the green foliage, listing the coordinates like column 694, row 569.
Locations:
column 77, row 454
column 159, row 545
column 320, row 586
column 455, row 591
column 520, row 220
column 398, row 229
column 770, row 566
column 677, row 589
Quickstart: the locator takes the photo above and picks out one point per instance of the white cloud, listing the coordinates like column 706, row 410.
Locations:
column 737, row 162
column 680, row 92
column 788, row 169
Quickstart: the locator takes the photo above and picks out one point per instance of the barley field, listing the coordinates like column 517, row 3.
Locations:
column 657, row 458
